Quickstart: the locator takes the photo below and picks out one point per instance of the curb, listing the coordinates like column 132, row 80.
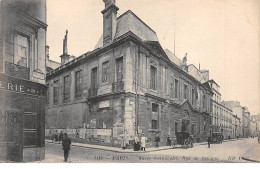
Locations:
column 117, row 151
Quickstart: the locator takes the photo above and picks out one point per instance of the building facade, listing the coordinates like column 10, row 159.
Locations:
column 22, row 78
column 126, row 86
column 221, row 115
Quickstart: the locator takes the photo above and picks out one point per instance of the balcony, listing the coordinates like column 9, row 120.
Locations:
column 118, row 86
column 92, row 91
column 18, row 71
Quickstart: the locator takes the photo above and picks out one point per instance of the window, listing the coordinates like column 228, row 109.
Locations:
column 66, row 95
column 56, row 92
column 171, row 89
column 29, row 130
column 204, row 124
column 192, row 96
column 17, row 49
column 204, row 101
column 153, row 77
column 105, row 67
column 154, row 124
column 185, row 91
column 119, row 69
column 155, row 114
column 22, row 50
column 78, row 84
column 94, row 78
column 176, row 87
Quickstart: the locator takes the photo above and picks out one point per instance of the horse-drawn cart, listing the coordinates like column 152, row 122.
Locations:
column 183, row 139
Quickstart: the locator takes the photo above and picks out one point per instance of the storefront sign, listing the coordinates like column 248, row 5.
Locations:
column 21, row 86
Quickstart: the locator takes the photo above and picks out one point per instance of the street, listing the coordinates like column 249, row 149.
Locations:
column 231, row 151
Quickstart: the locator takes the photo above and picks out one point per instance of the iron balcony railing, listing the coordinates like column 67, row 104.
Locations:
column 118, row 86
column 18, row 71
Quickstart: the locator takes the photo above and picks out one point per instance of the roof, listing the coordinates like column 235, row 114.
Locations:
column 196, row 73
column 213, row 81
column 173, row 57
column 129, row 22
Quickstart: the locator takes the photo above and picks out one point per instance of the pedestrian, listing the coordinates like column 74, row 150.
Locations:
column 143, row 142
column 60, row 137
column 126, row 140
column 52, row 137
column 208, row 140
column 136, row 144
column 169, row 140
column 157, row 140
column 56, row 136
column 123, row 142
column 66, row 146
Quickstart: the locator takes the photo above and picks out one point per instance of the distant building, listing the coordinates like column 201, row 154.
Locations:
column 22, row 79
column 243, row 114
column 256, row 119
column 127, row 85
column 221, row 115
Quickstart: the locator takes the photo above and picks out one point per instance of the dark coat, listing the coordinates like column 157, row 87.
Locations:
column 66, row 143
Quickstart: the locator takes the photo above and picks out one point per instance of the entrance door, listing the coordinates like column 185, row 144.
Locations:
column 184, row 125
column 12, row 123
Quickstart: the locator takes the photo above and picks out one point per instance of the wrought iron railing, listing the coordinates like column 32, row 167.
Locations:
column 117, row 86
column 92, row 91
column 18, row 71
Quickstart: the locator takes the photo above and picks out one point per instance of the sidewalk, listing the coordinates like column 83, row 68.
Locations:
column 113, row 149
column 119, row 150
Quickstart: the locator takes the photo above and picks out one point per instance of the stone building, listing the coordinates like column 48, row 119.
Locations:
column 127, row 86
column 22, row 79
column 221, row 115
column 239, row 112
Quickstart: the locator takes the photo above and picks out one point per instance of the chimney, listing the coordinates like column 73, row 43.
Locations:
column 109, row 21
column 65, row 57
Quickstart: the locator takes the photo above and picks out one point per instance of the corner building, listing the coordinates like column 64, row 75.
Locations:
column 127, row 85
column 22, row 80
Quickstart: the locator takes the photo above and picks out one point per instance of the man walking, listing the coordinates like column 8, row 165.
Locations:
column 208, row 140
column 143, row 142
column 66, row 146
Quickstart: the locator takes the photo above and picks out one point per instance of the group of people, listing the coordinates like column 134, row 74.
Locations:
column 139, row 144
column 57, row 137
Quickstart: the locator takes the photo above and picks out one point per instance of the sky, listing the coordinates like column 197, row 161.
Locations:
column 220, row 35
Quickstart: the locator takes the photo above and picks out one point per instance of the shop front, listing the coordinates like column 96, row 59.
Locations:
column 22, row 119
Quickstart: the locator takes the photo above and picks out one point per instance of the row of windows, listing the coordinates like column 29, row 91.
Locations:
column 79, row 81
